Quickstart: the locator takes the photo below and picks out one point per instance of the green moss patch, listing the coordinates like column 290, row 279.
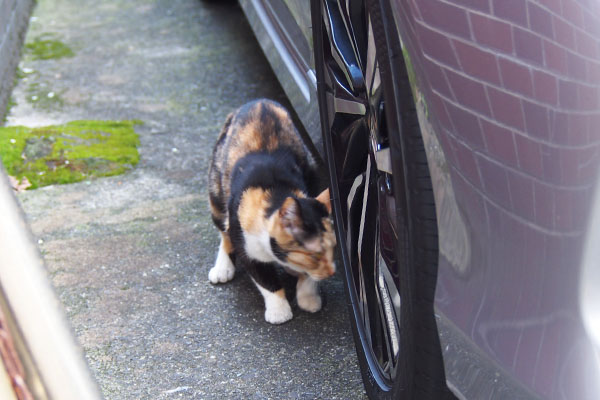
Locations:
column 39, row 95
column 46, row 47
column 69, row 153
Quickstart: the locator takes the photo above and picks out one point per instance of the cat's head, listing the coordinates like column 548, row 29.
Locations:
column 302, row 235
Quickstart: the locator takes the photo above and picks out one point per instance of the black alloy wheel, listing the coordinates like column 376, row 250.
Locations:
column 382, row 199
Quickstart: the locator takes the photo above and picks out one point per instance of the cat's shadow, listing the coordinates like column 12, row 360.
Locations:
column 288, row 281
column 250, row 305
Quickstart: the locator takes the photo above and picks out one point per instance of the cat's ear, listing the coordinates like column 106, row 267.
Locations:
column 289, row 213
column 324, row 199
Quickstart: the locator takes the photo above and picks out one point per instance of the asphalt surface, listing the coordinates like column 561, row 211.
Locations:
column 129, row 255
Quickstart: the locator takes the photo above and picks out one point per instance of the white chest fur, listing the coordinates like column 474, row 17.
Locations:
column 258, row 246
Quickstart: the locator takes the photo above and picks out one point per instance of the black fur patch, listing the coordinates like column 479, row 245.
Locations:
column 220, row 224
column 268, row 119
column 216, row 202
column 277, row 171
column 312, row 213
column 264, row 274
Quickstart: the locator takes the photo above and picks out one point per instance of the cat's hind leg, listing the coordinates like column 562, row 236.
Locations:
column 307, row 294
column 223, row 270
column 277, row 308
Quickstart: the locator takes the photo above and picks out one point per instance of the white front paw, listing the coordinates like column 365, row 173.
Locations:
column 278, row 313
column 310, row 303
column 307, row 294
column 223, row 270
column 221, row 274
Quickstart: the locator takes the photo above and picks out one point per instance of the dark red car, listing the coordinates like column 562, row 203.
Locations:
column 462, row 139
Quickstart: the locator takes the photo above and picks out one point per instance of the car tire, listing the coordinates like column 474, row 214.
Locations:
column 382, row 198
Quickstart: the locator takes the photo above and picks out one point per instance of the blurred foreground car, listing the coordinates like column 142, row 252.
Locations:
column 39, row 358
column 462, row 141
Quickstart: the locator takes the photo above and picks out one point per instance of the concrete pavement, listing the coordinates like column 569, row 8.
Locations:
column 129, row 255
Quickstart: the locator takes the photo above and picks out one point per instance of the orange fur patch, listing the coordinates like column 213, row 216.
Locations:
column 303, row 259
column 251, row 212
column 281, row 236
column 272, row 143
column 227, row 245
column 277, row 230
column 299, row 194
column 325, row 199
column 281, row 113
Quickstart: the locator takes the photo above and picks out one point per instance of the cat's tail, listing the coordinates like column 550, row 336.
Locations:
column 224, row 130
column 215, row 183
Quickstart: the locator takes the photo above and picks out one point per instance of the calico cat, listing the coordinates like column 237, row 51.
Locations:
column 260, row 182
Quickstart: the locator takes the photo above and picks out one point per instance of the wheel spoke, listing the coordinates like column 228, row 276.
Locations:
column 356, row 219
column 353, row 192
column 346, row 106
column 353, row 152
column 378, row 316
column 367, row 250
column 372, row 77
column 341, row 46
column 352, row 203
column 361, row 229
column 383, row 162
column 364, row 302
column 340, row 92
